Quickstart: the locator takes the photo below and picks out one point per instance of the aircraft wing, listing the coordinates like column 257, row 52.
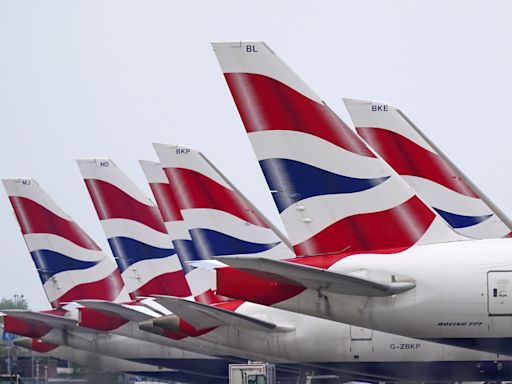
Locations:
column 202, row 316
column 140, row 314
column 317, row 278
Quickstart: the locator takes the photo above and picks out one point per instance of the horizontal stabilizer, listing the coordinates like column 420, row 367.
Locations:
column 47, row 319
column 316, row 278
column 131, row 314
column 208, row 265
column 202, row 316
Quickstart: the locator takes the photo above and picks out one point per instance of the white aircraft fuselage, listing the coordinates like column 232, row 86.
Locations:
column 463, row 294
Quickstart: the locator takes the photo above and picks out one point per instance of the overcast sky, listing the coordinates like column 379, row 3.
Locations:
column 108, row 78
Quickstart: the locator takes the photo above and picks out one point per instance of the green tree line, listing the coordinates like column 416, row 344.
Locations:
column 15, row 302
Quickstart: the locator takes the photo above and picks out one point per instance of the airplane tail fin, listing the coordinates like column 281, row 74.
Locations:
column 70, row 264
column 135, row 230
column 430, row 173
column 202, row 282
column 220, row 219
column 334, row 195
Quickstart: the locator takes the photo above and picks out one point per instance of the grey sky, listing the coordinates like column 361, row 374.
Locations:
column 108, row 78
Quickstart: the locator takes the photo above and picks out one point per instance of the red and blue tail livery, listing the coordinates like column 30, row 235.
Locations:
column 200, row 281
column 410, row 153
column 70, row 264
column 135, row 230
column 220, row 220
column 334, row 195
column 211, row 206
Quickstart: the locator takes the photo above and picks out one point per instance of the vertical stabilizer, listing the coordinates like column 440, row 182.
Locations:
column 334, row 195
column 70, row 264
column 135, row 230
column 429, row 172
column 201, row 282
column 219, row 218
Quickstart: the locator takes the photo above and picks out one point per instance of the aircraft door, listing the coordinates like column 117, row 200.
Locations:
column 359, row 333
column 361, row 343
column 499, row 292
